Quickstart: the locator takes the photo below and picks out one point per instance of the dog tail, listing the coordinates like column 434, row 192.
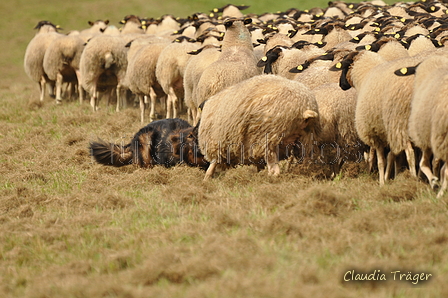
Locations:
column 110, row 154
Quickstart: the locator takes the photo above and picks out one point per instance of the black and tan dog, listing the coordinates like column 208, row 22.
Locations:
column 166, row 142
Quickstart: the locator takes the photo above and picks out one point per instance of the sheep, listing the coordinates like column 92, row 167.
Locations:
column 236, row 62
column 170, row 69
column 196, row 65
column 427, row 124
column 61, row 63
column 97, row 27
column 279, row 59
column 131, row 25
column 34, row 56
column 337, row 121
column 383, row 105
column 231, row 11
column 315, row 70
column 141, row 75
column 103, row 67
column 264, row 109
column 166, row 142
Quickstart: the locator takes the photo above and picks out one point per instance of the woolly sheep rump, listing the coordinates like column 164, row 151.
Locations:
column 264, row 109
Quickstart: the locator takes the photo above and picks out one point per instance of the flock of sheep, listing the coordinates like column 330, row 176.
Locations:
column 356, row 78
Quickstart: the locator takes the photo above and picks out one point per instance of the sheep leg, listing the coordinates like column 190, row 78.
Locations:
column 142, row 108
column 174, row 102
column 94, row 98
column 42, row 86
column 380, row 160
column 194, row 116
column 444, row 177
column 152, row 113
column 371, row 159
column 410, row 158
column 80, row 88
column 436, row 163
column 169, row 105
column 390, row 162
column 119, row 98
column 425, row 167
column 211, row 170
column 273, row 167
column 58, row 88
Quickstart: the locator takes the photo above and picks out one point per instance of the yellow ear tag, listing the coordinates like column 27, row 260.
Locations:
column 368, row 47
column 347, row 25
column 433, row 8
column 222, row 34
column 397, row 36
column 306, row 11
column 57, row 26
column 316, row 30
column 377, row 29
column 403, row 20
column 176, row 32
column 350, row 6
column 356, row 38
column 319, row 42
column 264, row 59
column 353, row 28
column 338, row 65
column 440, row 44
column 215, row 10
column 212, row 15
column 404, row 70
column 300, row 67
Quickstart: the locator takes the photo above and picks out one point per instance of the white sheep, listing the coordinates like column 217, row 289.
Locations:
column 257, row 121
column 427, row 120
column 61, row 63
column 236, row 62
column 34, row 56
column 196, row 65
column 170, row 70
column 337, row 120
column 141, row 74
column 383, row 105
column 103, row 67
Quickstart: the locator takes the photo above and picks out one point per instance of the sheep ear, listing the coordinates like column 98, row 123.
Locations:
column 320, row 44
column 106, row 22
column 343, row 82
column 90, row 23
column 122, row 22
column 307, row 116
column 247, row 21
column 405, row 71
column 300, row 68
column 228, row 23
column 357, row 38
column 242, row 7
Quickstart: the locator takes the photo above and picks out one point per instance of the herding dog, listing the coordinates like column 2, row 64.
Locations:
column 166, row 142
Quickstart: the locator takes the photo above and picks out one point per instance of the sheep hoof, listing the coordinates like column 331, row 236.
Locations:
column 58, row 101
column 435, row 184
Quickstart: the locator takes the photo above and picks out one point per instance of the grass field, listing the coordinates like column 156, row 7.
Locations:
column 72, row 228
